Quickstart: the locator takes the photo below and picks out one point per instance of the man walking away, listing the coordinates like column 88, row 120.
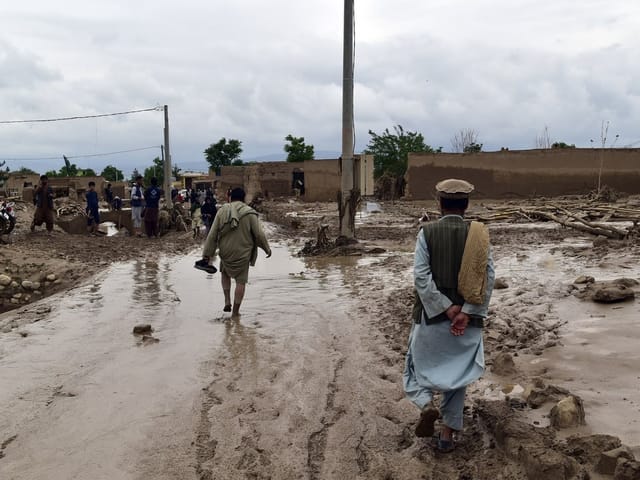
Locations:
column 454, row 275
column 237, row 234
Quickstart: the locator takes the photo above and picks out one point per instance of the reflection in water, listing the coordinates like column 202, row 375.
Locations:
column 240, row 342
column 146, row 284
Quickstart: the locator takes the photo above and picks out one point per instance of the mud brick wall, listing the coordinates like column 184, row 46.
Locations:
column 322, row 180
column 526, row 173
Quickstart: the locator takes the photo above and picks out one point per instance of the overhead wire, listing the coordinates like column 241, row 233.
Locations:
column 79, row 117
column 80, row 156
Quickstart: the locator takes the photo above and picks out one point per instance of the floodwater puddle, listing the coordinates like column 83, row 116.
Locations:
column 597, row 357
column 126, row 391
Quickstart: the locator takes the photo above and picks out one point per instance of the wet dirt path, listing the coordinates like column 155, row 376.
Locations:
column 293, row 389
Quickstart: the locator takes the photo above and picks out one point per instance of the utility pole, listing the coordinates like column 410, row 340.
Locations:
column 348, row 197
column 167, row 160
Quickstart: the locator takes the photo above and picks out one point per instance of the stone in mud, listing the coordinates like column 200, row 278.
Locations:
column 587, row 449
column 503, row 364
column 609, row 459
column 568, row 412
column 539, row 394
column 27, row 285
column 627, row 470
column 600, row 241
column 5, row 280
column 612, row 294
column 51, row 277
column 626, row 282
column 531, row 447
column 500, row 283
column 142, row 329
column 584, row 279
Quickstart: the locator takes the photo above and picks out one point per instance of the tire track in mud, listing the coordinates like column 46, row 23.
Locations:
column 317, row 442
column 206, row 446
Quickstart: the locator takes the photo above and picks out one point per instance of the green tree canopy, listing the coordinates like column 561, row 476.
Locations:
column 24, row 170
column 112, row 174
column 391, row 150
column 156, row 170
column 473, row 147
column 223, row 153
column 562, row 145
column 296, row 149
column 87, row 172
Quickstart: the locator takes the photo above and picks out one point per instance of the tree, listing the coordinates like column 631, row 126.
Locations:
column 391, row 151
column 112, row 174
column 223, row 153
column 68, row 169
column 175, row 171
column 473, row 148
column 87, row 172
column 156, row 170
column 237, row 162
column 463, row 139
column 544, row 139
column 23, row 170
column 3, row 173
column 562, row 145
column 296, row 150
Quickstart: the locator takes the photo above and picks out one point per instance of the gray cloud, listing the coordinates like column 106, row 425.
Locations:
column 258, row 71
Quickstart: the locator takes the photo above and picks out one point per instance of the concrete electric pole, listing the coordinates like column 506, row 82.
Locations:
column 348, row 196
column 167, row 160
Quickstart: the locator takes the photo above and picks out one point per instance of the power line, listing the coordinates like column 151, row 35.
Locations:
column 79, row 156
column 42, row 120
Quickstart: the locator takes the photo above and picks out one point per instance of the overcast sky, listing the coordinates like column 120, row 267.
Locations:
column 257, row 71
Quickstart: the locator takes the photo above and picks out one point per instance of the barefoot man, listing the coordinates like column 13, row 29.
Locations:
column 454, row 275
column 237, row 234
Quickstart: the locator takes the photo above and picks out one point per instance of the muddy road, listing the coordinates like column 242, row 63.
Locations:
column 293, row 389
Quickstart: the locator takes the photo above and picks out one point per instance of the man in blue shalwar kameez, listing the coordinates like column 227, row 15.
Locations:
column 454, row 275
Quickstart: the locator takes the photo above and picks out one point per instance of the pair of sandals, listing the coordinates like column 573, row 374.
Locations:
column 426, row 428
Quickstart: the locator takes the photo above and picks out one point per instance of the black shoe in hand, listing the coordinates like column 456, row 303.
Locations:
column 204, row 266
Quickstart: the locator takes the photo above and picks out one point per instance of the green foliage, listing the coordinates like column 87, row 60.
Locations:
column 473, row 148
column 223, row 153
column 51, row 173
column 562, row 145
column 391, row 150
column 237, row 162
column 23, row 170
column 156, row 170
column 87, row 172
column 296, row 149
column 175, row 171
column 112, row 174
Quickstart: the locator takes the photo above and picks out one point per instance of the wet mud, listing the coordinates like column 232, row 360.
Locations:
column 307, row 382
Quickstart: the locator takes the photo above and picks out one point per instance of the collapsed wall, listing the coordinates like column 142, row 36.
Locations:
column 527, row 173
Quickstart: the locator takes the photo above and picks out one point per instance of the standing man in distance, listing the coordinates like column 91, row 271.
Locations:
column 237, row 233
column 152, row 208
column 137, row 204
column 454, row 275
column 93, row 212
column 43, row 199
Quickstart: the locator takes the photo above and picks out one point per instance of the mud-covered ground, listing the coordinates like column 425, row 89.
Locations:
column 545, row 340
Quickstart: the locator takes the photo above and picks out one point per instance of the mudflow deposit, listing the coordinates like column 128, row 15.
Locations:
column 307, row 383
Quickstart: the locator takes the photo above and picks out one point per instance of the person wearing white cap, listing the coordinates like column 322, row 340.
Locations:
column 454, row 275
